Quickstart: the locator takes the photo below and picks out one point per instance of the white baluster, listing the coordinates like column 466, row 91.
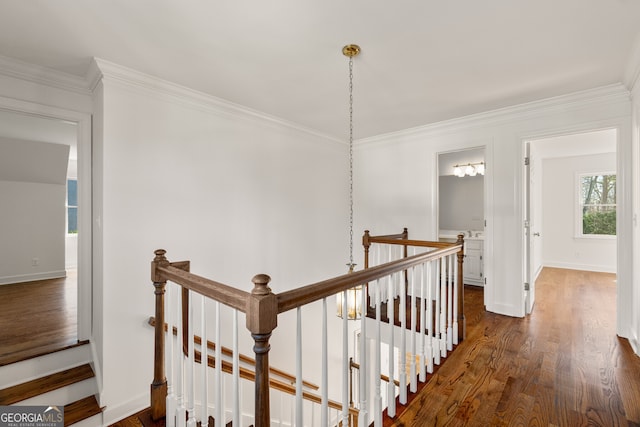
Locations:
column 450, row 305
column 236, row 372
column 217, row 378
column 391, row 391
column 421, row 344
column 181, row 413
column 170, row 418
column 455, row 300
column 363, row 392
column 403, row 340
column 428, row 346
column 345, row 361
column 313, row 415
column 443, row 308
column 281, row 422
column 413, row 379
column 191, row 364
column 377, row 404
column 436, row 315
column 299, row 417
column 324, row 410
column 204, row 349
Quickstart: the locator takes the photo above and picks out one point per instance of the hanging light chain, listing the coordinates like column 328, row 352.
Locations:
column 350, row 51
column 351, row 264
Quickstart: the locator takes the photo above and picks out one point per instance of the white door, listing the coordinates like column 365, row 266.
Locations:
column 529, row 286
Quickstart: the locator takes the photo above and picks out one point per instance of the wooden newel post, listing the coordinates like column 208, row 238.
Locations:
column 262, row 319
column 159, row 384
column 366, row 242
column 462, row 325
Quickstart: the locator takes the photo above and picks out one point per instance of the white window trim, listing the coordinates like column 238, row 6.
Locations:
column 578, row 208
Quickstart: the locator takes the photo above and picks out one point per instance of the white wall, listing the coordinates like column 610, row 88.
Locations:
column 32, row 218
column 32, row 221
column 235, row 193
column 560, row 246
column 399, row 193
column 634, row 336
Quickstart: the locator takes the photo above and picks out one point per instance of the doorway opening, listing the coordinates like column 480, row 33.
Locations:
column 461, row 206
column 569, row 213
column 45, row 181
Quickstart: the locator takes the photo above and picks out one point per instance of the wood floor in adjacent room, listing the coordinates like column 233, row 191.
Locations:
column 563, row 365
column 37, row 318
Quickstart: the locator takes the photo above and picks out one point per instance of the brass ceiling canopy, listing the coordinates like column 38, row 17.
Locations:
column 351, row 50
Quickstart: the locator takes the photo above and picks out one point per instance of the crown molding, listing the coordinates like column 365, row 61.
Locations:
column 632, row 71
column 101, row 69
column 601, row 95
column 15, row 68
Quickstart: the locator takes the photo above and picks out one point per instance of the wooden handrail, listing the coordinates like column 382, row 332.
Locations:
column 384, row 378
column 407, row 242
column 307, row 294
column 227, row 295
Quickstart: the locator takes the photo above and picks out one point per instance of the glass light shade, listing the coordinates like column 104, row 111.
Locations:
column 470, row 170
column 354, row 303
column 457, row 171
column 480, row 168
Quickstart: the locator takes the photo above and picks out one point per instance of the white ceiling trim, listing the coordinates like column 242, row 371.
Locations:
column 11, row 67
column 101, row 69
column 603, row 95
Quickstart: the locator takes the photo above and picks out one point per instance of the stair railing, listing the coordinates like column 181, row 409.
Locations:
column 402, row 240
column 177, row 398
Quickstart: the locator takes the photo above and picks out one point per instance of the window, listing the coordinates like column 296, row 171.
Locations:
column 597, row 204
column 72, row 206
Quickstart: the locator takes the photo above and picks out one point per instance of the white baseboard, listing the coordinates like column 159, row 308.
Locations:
column 97, row 370
column 635, row 344
column 6, row 280
column 537, row 273
column 583, row 267
column 113, row 414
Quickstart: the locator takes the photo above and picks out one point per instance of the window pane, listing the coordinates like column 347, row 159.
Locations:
column 72, row 192
column 72, row 220
column 72, row 206
column 598, row 204
column 598, row 189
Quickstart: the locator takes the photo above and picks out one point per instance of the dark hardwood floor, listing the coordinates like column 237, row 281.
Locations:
column 37, row 318
column 563, row 365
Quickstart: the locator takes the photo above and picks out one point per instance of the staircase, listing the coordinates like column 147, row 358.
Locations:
column 61, row 378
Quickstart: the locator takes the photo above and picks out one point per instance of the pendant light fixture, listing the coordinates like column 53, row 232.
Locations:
column 353, row 295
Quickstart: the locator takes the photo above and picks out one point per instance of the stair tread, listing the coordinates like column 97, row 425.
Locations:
column 19, row 356
column 81, row 410
column 17, row 393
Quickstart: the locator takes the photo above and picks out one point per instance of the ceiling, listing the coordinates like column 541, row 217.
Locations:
column 422, row 61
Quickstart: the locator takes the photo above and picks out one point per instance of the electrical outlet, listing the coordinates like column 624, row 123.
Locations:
column 35, row 262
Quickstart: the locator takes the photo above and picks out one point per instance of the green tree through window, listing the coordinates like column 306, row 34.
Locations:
column 72, row 206
column 598, row 204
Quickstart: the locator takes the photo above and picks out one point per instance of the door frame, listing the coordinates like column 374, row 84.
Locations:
column 624, row 263
column 83, row 129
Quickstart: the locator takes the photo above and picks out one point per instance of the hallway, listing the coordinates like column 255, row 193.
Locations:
column 561, row 366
